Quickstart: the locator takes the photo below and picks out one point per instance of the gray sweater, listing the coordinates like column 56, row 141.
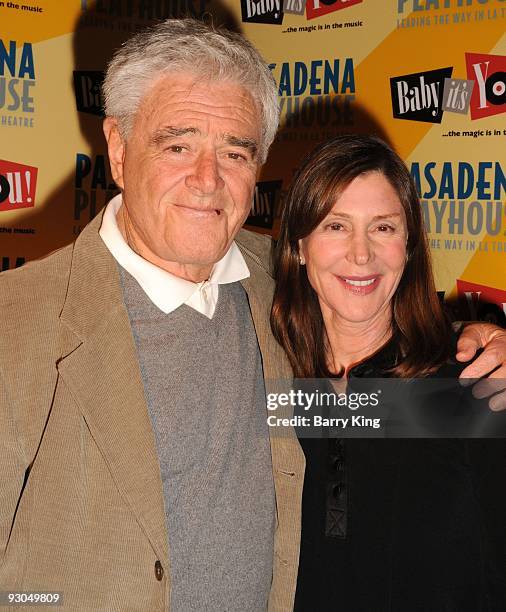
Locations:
column 203, row 384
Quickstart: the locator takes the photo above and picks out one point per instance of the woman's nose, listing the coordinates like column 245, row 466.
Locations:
column 360, row 251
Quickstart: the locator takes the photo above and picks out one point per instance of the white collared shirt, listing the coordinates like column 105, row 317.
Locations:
column 164, row 289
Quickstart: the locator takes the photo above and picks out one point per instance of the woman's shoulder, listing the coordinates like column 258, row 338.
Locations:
column 381, row 363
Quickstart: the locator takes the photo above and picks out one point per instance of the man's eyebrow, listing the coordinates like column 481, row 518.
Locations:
column 168, row 132
column 165, row 133
column 245, row 143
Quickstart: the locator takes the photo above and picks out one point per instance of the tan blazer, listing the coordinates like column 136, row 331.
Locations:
column 81, row 504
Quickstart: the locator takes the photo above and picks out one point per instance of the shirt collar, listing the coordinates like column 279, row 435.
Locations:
column 164, row 289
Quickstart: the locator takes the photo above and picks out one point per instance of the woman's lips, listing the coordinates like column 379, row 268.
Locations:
column 359, row 285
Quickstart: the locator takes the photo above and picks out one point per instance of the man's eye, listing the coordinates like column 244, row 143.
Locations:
column 233, row 155
column 176, row 149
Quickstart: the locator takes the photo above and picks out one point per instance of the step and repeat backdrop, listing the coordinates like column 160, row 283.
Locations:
column 429, row 76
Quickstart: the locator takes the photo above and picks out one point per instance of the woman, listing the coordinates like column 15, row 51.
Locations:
column 388, row 525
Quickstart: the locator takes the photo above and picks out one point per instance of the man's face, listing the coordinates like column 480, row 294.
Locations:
column 187, row 171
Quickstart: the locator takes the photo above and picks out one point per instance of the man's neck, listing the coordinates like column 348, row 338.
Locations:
column 190, row 272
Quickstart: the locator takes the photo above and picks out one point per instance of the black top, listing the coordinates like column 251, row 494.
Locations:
column 403, row 525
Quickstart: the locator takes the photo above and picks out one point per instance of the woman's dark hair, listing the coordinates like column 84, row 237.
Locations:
column 419, row 325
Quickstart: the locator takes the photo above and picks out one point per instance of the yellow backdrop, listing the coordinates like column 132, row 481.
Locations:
column 341, row 65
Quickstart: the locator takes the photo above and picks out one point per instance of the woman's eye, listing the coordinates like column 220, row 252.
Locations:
column 335, row 226
column 385, row 228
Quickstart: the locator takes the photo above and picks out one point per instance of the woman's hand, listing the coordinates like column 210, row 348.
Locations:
column 491, row 363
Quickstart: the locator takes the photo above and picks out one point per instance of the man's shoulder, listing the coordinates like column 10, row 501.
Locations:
column 37, row 285
column 256, row 247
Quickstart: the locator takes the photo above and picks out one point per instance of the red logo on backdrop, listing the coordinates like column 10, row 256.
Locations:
column 17, row 185
column 489, row 92
column 479, row 297
column 317, row 8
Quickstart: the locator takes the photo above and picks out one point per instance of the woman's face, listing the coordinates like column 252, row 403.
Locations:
column 356, row 256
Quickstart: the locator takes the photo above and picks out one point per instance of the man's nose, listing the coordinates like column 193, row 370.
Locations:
column 361, row 250
column 204, row 176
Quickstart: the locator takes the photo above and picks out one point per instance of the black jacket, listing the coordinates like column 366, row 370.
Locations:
column 403, row 525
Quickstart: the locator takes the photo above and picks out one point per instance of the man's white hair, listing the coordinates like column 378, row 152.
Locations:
column 188, row 45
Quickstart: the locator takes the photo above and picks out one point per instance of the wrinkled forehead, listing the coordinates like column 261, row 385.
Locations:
column 184, row 87
column 368, row 194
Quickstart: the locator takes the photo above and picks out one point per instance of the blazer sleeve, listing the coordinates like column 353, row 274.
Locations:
column 488, row 468
column 12, row 468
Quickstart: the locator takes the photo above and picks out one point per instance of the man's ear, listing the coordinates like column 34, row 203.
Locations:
column 115, row 148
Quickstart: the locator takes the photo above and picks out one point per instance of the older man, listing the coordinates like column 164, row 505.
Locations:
column 137, row 469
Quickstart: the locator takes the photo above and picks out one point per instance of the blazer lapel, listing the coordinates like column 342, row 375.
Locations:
column 288, row 459
column 100, row 366
column 287, row 455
